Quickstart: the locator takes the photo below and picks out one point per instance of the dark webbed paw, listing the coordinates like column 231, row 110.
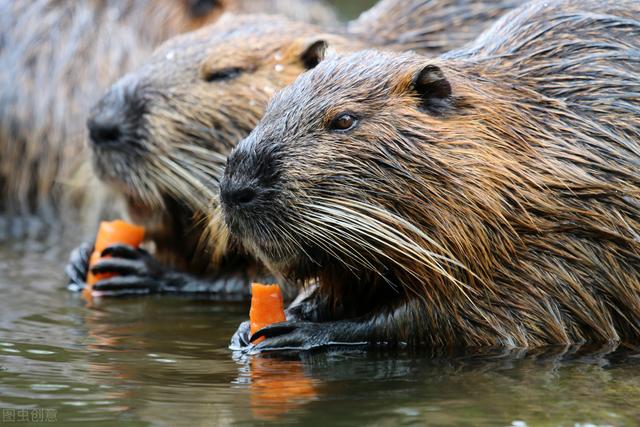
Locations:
column 78, row 266
column 125, row 285
column 137, row 272
column 301, row 336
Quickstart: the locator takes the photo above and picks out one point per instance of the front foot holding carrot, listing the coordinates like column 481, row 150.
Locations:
column 305, row 336
column 126, row 270
column 130, row 271
column 299, row 328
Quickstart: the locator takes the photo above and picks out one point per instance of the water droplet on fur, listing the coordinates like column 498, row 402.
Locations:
column 279, row 67
column 170, row 55
column 277, row 56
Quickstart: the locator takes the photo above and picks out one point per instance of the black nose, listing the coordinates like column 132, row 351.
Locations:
column 237, row 196
column 104, row 130
column 116, row 118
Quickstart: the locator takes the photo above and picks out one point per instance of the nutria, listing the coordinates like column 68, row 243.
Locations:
column 56, row 60
column 487, row 197
column 161, row 151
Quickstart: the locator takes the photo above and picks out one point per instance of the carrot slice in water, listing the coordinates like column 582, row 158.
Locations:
column 109, row 233
column 266, row 307
column 278, row 387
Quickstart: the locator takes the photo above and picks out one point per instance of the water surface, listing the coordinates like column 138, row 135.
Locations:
column 165, row 361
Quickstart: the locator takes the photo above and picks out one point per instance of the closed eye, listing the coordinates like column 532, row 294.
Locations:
column 223, row 74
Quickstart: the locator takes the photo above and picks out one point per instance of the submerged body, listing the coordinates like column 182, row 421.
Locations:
column 165, row 154
column 487, row 197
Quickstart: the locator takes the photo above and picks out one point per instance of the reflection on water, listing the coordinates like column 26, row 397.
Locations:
column 277, row 385
column 165, row 361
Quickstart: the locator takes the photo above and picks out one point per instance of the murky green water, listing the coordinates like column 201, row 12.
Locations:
column 164, row 361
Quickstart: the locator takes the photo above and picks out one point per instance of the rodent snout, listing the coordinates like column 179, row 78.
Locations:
column 115, row 119
column 104, row 129
column 234, row 196
column 239, row 200
column 247, row 189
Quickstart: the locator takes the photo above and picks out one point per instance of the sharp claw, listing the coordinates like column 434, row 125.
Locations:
column 274, row 330
column 288, row 342
column 120, row 266
column 284, row 336
column 122, row 251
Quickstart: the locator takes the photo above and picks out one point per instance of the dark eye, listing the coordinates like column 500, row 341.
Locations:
column 344, row 121
column 201, row 8
column 224, row 74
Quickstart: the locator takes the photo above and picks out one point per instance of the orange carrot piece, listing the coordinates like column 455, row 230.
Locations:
column 267, row 307
column 118, row 231
column 110, row 233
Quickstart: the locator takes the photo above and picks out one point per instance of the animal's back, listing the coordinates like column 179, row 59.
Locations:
column 431, row 26
column 571, row 70
column 585, row 53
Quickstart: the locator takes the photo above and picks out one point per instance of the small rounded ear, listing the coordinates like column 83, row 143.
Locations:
column 433, row 89
column 313, row 53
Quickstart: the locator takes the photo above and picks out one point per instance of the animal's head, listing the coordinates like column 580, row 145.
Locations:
column 164, row 130
column 347, row 168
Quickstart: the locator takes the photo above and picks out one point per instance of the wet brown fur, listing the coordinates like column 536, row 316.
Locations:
column 202, row 120
column 509, row 215
column 56, row 59
column 450, row 24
